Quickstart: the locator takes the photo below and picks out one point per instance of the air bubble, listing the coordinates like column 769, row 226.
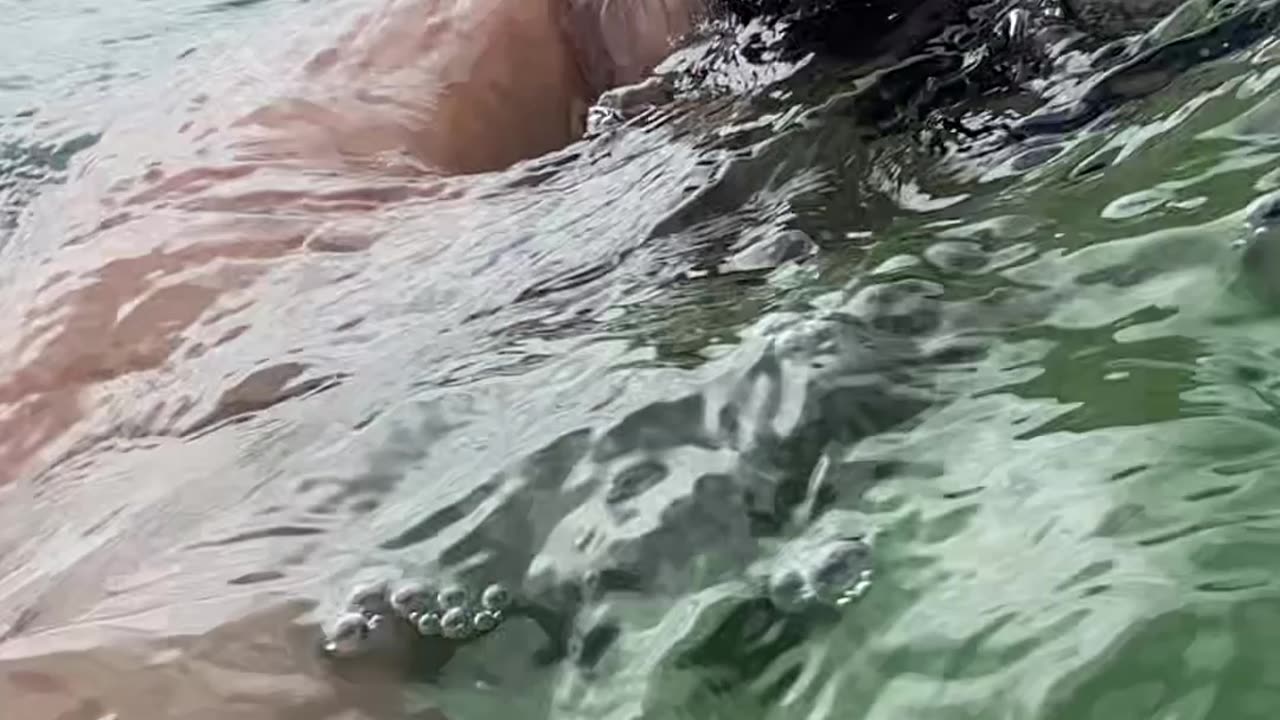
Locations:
column 369, row 599
column 412, row 600
column 454, row 596
column 495, row 598
column 454, row 624
column 843, row 567
column 484, row 621
column 348, row 635
column 429, row 625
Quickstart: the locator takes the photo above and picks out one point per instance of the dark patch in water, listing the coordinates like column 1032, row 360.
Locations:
column 595, row 643
column 256, row 577
column 635, row 480
column 280, row 531
column 260, row 390
column 443, row 518
column 224, row 5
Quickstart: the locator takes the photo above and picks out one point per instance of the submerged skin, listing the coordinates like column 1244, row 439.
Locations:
column 289, row 150
column 165, row 226
column 463, row 86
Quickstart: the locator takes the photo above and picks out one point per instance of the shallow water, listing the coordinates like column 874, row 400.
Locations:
column 1027, row 374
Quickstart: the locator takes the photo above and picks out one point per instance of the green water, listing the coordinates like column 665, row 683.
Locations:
column 1084, row 523
column 1052, row 405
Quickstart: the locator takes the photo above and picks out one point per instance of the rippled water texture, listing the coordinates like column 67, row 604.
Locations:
column 1024, row 372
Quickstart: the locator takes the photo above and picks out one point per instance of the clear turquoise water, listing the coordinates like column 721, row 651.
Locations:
column 1050, row 403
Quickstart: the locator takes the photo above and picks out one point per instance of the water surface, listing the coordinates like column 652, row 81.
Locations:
column 1027, row 371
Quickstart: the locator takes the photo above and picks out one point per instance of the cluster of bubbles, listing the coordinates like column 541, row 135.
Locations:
column 834, row 574
column 452, row 613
